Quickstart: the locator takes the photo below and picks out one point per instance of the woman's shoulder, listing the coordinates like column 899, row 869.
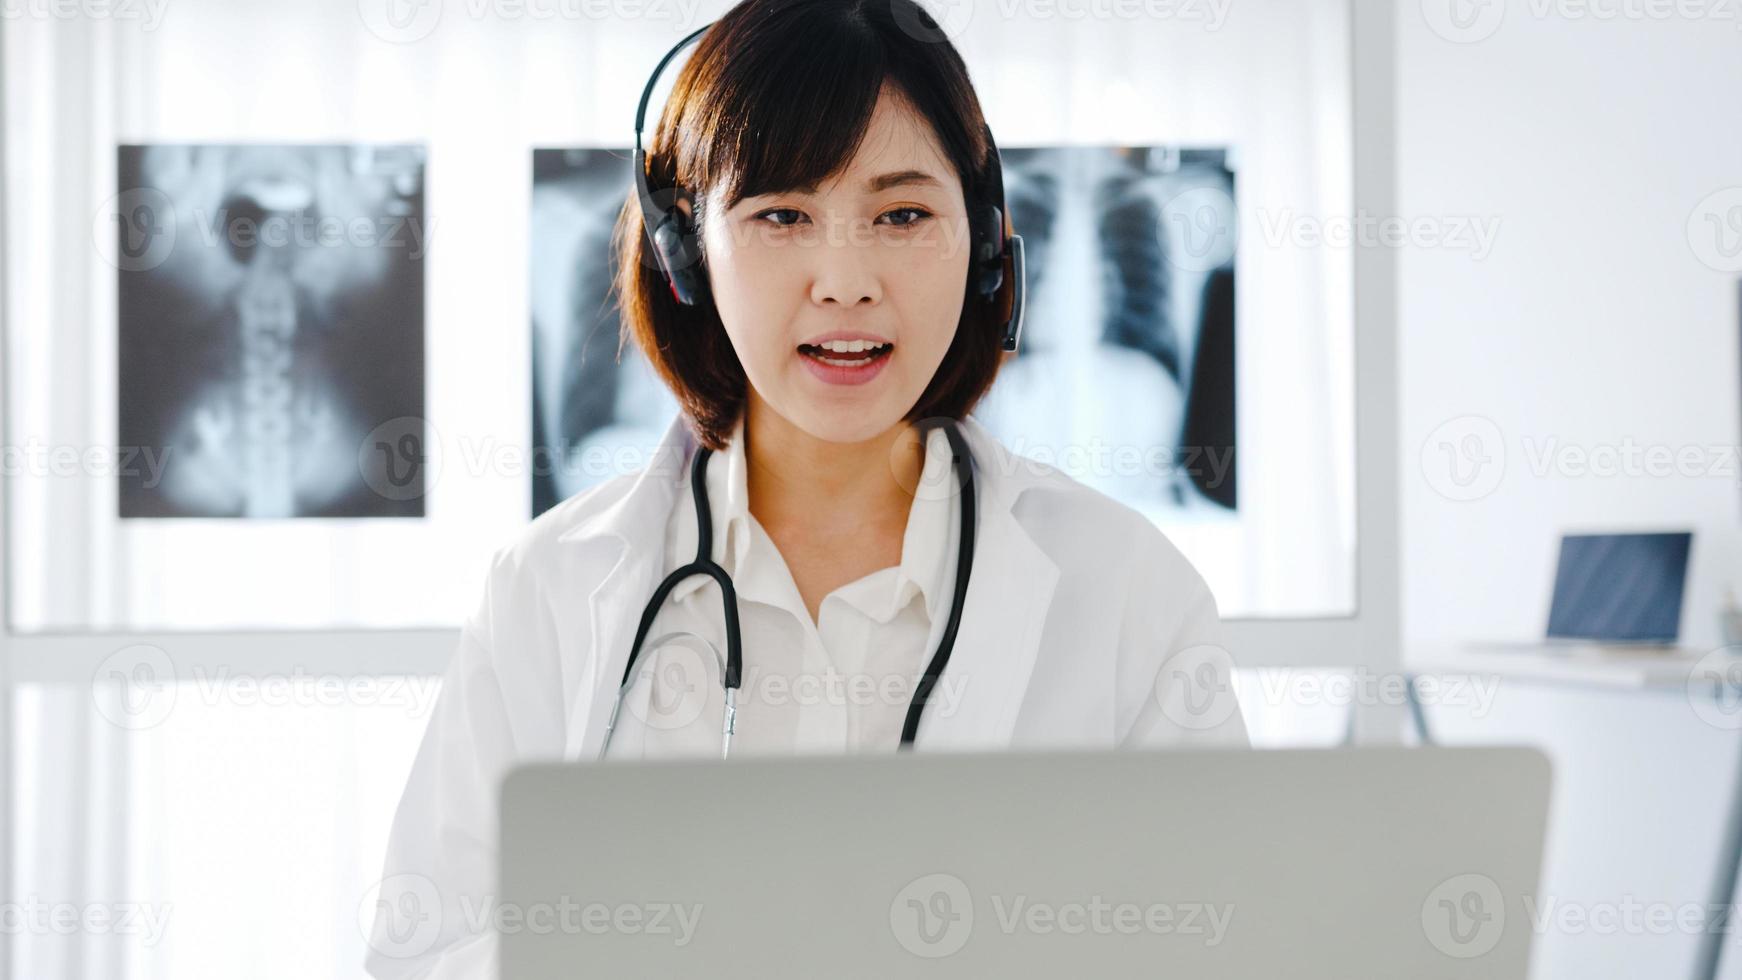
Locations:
column 577, row 518
column 1087, row 531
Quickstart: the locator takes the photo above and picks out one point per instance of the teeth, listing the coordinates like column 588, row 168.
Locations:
column 849, row 346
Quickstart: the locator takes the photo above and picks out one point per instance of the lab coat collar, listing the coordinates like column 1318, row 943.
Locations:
column 927, row 560
column 1009, row 593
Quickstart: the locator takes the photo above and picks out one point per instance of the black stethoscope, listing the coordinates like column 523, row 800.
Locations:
column 732, row 669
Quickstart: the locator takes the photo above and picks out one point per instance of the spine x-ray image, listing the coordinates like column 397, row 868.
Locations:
column 271, row 343
column 1125, row 377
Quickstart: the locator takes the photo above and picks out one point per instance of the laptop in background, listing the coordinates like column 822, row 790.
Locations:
column 1619, row 588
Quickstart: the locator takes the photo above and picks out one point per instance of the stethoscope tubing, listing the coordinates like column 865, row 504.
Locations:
column 733, row 668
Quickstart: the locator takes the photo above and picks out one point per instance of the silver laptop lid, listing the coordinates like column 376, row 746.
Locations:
column 1210, row 864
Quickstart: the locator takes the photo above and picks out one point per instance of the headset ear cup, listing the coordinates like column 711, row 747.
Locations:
column 988, row 269
column 679, row 255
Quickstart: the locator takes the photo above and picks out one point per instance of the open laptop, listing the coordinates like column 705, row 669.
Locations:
column 1615, row 596
column 1620, row 588
column 1306, row 864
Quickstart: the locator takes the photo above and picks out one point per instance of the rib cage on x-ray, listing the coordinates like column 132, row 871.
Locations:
column 1130, row 279
column 1128, row 340
column 592, row 416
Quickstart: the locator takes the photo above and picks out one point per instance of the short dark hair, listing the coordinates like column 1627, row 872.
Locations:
column 778, row 94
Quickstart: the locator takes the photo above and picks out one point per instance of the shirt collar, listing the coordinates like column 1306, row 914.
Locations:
column 926, row 545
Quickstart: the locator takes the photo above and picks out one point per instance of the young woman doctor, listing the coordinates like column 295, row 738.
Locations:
column 826, row 329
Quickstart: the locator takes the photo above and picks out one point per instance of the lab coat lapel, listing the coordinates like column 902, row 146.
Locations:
column 631, row 534
column 976, row 701
column 1010, row 590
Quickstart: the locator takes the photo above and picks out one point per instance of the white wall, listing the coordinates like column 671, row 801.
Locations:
column 1592, row 321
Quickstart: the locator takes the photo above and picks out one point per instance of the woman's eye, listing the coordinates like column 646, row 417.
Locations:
column 780, row 224
column 919, row 215
column 907, row 217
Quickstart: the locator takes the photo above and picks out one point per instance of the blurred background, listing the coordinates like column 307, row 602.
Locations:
column 1412, row 323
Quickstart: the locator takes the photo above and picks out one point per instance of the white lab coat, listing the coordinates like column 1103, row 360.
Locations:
column 1083, row 627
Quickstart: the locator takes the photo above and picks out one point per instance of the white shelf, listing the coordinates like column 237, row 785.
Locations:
column 1631, row 667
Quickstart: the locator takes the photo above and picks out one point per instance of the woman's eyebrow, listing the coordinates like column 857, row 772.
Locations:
column 883, row 182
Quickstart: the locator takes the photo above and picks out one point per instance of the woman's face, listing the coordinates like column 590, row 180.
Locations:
column 883, row 259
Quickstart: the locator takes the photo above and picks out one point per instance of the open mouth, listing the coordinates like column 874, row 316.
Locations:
column 834, row 356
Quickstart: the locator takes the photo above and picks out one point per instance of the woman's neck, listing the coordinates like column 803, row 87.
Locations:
column 796, row 480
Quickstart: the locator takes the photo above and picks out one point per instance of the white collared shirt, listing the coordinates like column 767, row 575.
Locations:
column 840, row 684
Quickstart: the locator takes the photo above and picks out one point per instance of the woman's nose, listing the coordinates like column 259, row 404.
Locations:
column 846, row 273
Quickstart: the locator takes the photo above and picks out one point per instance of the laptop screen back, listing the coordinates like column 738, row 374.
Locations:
column 1621, row 587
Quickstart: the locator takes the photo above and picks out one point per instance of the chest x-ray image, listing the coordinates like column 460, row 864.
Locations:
column 271, row 329
column 1125, row 376
column 593, row 417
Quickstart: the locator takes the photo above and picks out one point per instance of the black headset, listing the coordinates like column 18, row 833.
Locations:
column 677, row 246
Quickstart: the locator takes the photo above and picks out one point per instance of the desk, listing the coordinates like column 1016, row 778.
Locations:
column 1697, row 674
